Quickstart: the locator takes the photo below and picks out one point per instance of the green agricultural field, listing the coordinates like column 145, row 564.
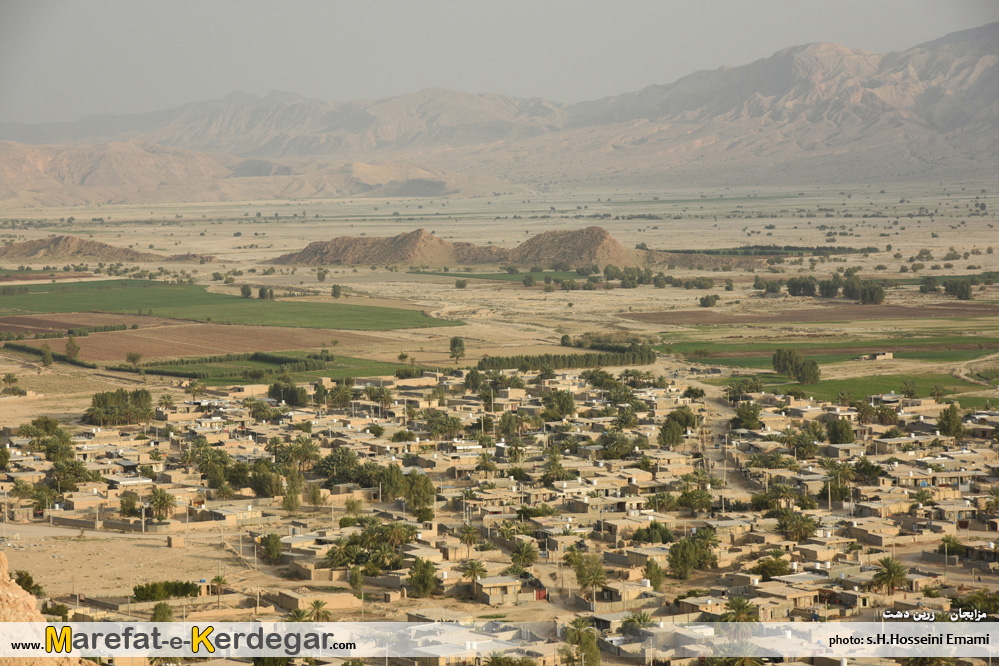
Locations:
column 861, row 387
column 508, row 277
column 195, row 302
column 975, row 402
column 765, row 363
column 756, row 353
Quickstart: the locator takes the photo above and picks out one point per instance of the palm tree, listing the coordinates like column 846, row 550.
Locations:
column 865, row 412
column 9, row 382
column 591, row 573
column 21, row 489
column 225, row 491
column 162, row 502
column 218, row 582
column 738, row 609
column 571, row 557
column 636, row 622
column 524, row 554
column 473, row 570
column 298, row 615
column 890, row 574
column 166, row 401
column 516, row 450
column 469, row 535
column 844, row 398
column 575, row 630
column 195, row 388
column 397, row 533
column 382, row 555
column 837, row 473
column 992, row 504
column 938, row 392
column 660, row 502
column 318, row 612
column 506, row 530
column 486, row 464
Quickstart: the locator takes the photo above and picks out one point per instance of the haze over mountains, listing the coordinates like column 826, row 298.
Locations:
column 807, row 113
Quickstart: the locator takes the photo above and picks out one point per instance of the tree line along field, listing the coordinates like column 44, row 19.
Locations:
column 237, row 368
column 195, row 302
column 539, row 276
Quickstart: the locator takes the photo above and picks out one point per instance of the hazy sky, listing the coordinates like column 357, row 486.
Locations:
column 61, row 60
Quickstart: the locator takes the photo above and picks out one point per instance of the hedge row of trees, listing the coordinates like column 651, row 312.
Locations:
column 38, row 351
column 119, row 407
column 643, row 355
column 791, row 363
column 164, row 589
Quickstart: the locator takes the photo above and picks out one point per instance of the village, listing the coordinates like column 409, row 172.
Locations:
column 557, row 516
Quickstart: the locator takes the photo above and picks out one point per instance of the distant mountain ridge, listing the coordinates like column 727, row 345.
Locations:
column 810, row 112
column 576, row 248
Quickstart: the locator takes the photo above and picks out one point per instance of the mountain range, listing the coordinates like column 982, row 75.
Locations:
column 807, row 113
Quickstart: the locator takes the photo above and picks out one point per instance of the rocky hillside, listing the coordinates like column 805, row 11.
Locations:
column 16, row 605
column 815, row 112
column 581, row 247
column 73, row 248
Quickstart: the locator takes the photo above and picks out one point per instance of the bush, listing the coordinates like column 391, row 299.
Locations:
column 273, row 549
column 168, row 589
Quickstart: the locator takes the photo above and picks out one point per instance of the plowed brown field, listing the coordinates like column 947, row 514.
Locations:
column 191, row 339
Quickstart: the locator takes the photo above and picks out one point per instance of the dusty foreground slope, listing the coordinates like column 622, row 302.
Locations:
column 579, row 247
column 71, row 247
column 16, row 605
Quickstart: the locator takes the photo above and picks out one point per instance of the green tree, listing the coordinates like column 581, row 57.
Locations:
column 682, row 558
column 770, row 567
column 457, row 348
column 72, row 350
column 273, row 548
column 949, row 422
column 46, row 355
column 654, row 574
column 670, row 435
column 422, row 578
column 839, row 431
column 162, row 612
column 133, row 358
column 747, row 416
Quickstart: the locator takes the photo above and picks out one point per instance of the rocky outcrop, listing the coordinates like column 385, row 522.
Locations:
column 16, row 605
